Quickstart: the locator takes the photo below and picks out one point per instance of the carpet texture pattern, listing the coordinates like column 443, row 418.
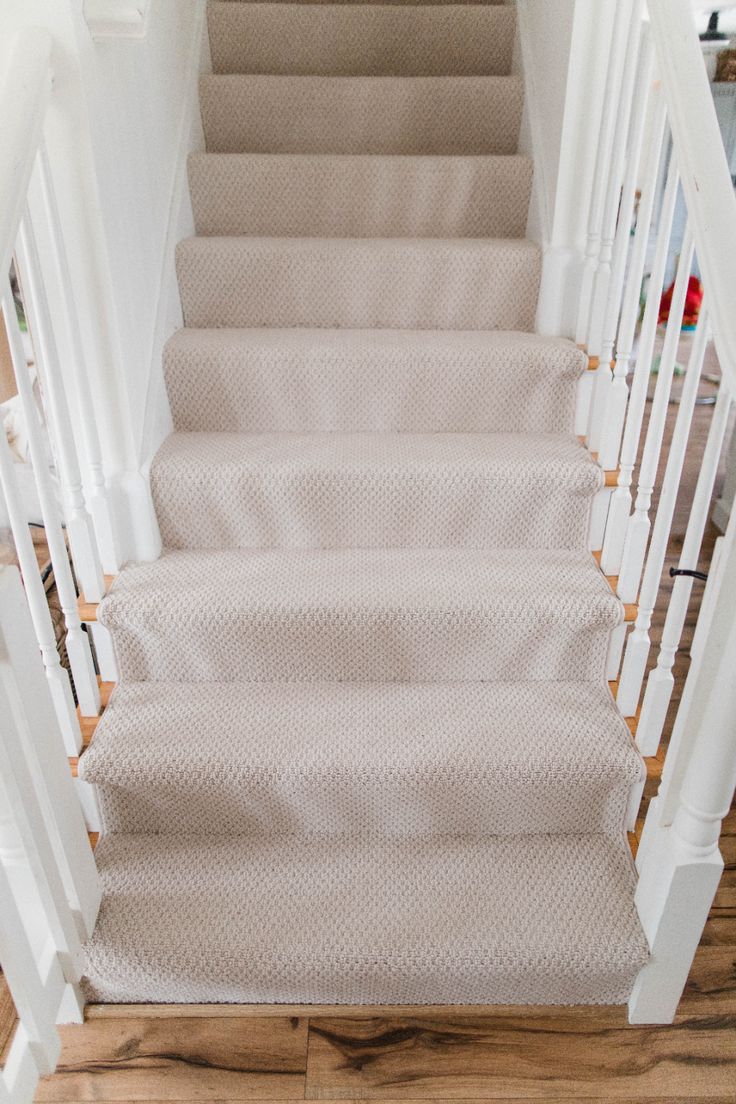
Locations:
column 363, row 749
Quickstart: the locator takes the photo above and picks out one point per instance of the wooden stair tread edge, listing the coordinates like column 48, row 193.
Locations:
column 88, row 610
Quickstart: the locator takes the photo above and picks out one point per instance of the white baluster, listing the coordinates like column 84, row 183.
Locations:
column 620, row 507
column 637, row 530
column 638, row 644
column 610, row 391
column 614, row 212
column 682, row 864
column 40, row 763
column 661, row 681
column 22, row 975
column 614, row 77
column 79, row 524
column 77, row 644
column 618, row 396
column 104, row 652
column 58, row 679
column 97, row 500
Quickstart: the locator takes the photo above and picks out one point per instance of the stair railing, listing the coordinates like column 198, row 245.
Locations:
column 58, row 416
column 666, row 145
column 49, row 888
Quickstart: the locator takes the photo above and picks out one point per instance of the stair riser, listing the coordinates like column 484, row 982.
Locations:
column 227, row 383
column 343, row 196
column 210, row 509
column 361, row 39
column 383, row 805
column 364, row 115
column 466, row 285
column 320, row 644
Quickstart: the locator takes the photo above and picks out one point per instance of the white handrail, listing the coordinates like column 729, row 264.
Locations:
column 701, row 157
column 26, row 84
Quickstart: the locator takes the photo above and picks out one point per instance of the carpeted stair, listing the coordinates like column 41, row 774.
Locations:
column 363, row 749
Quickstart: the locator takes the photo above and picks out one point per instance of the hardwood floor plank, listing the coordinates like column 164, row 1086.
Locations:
column 572, row 1054
column 711, row 987
column 150, row 1059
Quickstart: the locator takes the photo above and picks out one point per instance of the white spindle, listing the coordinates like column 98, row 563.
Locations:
column 58, row 679
column 77, row 644
column 620, row 506
column 104, row 652
column 609, row 402
column 660, row 683
column 637, row 530
column 638, row 644
column 41, row 770
column 681, row 866
column 618, row 395
column 614, row 212
column 97, row 500
column 614, row 77
column 21, row 972
column 79, row 524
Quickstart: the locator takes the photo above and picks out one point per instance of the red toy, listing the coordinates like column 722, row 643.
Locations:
column 693, row 301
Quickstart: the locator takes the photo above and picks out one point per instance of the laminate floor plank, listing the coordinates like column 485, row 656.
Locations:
column 568, row 1053
column 147, row 1059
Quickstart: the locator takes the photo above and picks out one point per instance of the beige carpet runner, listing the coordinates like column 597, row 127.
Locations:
column 363, row 749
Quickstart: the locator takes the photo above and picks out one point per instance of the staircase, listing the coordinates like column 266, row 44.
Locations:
column 363, row 749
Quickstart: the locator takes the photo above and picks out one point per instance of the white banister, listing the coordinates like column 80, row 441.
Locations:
column 58, row 679
column 82, row 539
column 42, row 199
column 638, row 644
column 661, row 683
column 706, row 177
column 637, row 531
column 613, row 79
column 26, row 84
column 623, row 342
column 681, row 865
column 78, row 649
column 613, row 214
column 49, row 889
column 620, row 507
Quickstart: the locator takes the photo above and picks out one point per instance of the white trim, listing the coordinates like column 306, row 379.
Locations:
column 117, row 18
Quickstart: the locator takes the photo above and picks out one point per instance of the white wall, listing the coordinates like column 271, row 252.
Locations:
column 564, row 48
column 144, row 117
column 123, row 117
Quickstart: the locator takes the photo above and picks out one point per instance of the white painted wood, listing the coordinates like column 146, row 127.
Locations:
column 83, row 544
column 25, row 84
column 637, row 650
column 598, row 515
column 607, row 418
column 626, row 318
column 619, row 513
column 104, row 652
column 660, row 683
column 78, row 650
column 58, row 679
column 637, row 532
column 615, row 651
column 681, row 868
column 43, row 770
column 706, row 178
column 47, row 229
column 614, row 76
column 614, row 211
column 117, row 18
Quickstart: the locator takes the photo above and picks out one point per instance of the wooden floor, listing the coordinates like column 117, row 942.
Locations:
column 508, row 1055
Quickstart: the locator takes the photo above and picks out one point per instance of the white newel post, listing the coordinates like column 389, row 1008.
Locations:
column 682, row 864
